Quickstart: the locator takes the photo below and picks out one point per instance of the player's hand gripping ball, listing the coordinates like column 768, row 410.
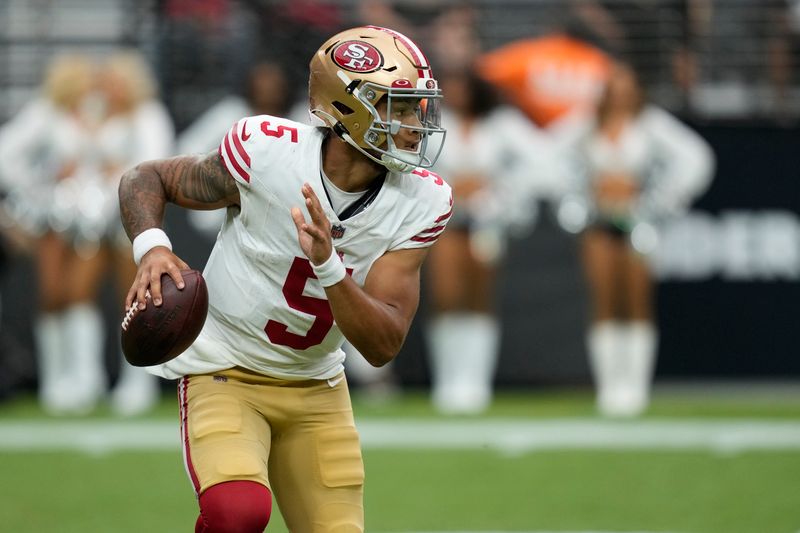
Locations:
column 155, row 335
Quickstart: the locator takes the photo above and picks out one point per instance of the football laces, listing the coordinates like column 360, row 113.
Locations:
column 132, row 312
column 129, row 316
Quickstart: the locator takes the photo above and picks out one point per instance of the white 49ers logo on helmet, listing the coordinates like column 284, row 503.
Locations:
column 357, row 56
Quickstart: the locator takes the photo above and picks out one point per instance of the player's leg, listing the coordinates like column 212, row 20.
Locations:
column 600, row 253
column 86, row 328
column 136, row 391
column 226, row 442
column 49, row 328
column 315, row 466
column 640, row 335
column 234, row 507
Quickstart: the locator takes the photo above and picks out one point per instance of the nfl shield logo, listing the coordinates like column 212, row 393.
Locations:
column 337, row 231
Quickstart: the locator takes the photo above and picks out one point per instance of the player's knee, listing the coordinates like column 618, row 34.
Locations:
column 235, row 507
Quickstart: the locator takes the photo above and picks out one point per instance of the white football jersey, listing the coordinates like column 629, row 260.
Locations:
column 267, row 311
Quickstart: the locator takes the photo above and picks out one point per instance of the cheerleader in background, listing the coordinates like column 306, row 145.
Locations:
column 137, row 127
column 43, row 146
column 633, row 164
column 497, row 163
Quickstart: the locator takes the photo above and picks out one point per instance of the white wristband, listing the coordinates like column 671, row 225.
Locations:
column 147, row 240
column 330, row 272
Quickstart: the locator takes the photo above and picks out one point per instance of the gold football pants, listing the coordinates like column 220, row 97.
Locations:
column 296, row 437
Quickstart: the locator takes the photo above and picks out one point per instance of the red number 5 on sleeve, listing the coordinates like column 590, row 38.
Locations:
column 425, row 174
column 279, row 131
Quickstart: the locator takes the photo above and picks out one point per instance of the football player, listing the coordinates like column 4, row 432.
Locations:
column 326, row 230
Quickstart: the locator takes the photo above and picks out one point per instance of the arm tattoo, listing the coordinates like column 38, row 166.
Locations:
column 201, row 183
column 196, row 182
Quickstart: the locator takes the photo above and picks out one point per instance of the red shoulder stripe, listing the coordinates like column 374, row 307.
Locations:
column 238, row 144
column 422, row 237
column 230, row 159
column 432, row 230
column 425, row 239
column 445, row 216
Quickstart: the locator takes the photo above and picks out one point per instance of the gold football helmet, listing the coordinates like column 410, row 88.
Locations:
column 356, row 70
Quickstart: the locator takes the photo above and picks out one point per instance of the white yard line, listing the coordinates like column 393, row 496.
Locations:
column 503, row 435
column 582, row 434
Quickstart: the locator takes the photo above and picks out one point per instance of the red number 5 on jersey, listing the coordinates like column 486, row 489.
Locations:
column 425, row 174
column 278, row 333
column 279, row 131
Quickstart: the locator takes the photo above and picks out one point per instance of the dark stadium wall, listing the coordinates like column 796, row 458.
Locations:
column 736, row 311
column 729, row 290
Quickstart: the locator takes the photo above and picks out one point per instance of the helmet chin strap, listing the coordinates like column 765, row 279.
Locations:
column 394, row 163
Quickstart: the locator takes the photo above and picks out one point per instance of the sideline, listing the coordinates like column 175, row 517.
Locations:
column 510, row 436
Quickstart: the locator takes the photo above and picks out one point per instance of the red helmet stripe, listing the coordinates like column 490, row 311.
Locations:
column 413, row 49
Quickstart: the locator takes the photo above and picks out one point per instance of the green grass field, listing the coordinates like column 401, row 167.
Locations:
column 741, row 474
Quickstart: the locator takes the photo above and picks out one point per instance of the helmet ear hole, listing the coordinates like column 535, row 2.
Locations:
column 341, row 108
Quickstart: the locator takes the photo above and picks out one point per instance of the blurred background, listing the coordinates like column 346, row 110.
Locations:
column 715, row 287
column 727, row 274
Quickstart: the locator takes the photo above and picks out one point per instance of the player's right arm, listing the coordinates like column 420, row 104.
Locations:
column 194, row 182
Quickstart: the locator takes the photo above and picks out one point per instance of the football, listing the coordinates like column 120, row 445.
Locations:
column 157, row 334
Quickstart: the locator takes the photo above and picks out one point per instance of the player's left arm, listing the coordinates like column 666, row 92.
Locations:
column 374, row 319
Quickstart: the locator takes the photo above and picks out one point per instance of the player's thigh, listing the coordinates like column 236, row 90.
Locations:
column 447, row 274
column 225, row 438
column 316, row 467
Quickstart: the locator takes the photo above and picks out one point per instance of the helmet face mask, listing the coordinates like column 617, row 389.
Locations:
column 400, row 105
column 373, row 87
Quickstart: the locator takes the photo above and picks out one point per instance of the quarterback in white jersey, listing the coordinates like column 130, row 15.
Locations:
column 326, row 230
column 267, row 312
